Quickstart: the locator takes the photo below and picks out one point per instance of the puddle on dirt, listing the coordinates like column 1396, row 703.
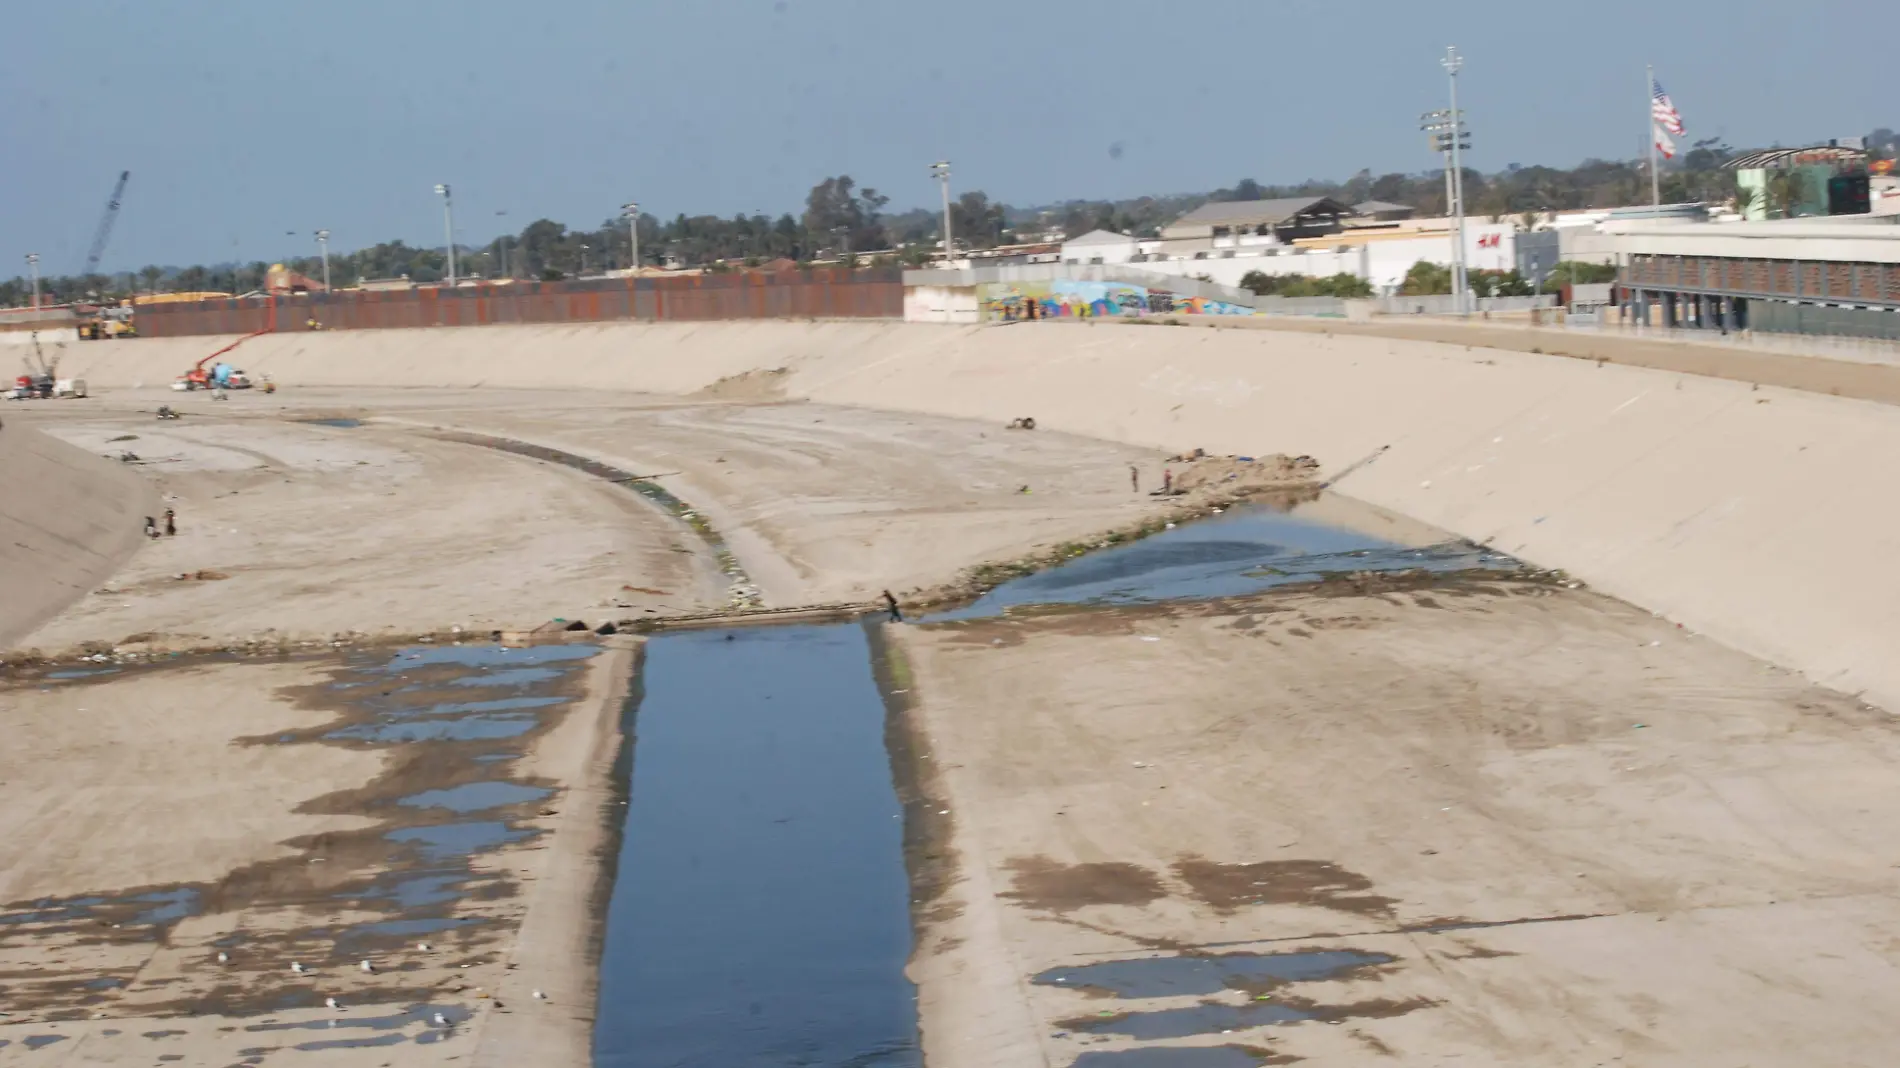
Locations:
column 760, row 913
column 408, row 876
column 456, row 729
column 345, row 424
column 476, row 796
column 1190, row 1021
column 81, row 673
column 1244, row 551
column 522, row 676
column 1173, row 1057
column 1160, row 977
column 443, row 840
column 41, row 1041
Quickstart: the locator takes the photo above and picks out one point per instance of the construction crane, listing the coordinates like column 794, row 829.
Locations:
column 104, row 233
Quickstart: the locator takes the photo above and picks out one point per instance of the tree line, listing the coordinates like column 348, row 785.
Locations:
column 844, row 222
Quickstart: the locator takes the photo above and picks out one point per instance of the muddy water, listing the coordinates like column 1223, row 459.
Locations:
column 760, row 910
column 1246, row 550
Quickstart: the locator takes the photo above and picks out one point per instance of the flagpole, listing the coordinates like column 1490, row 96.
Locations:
column 1649, row 98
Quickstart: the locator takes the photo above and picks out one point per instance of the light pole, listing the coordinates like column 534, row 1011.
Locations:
column 33, row 265
column 448, row 225
column 632, row 212
column 1448, row 134
column 1453, row 63
column 583, row 271
column 323, row 247
column 941, row 169
column 501, row 244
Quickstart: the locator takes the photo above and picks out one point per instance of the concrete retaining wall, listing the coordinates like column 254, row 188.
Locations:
column 1762, row 517
column 68, row 519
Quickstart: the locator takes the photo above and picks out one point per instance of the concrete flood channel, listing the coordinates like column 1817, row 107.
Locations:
column 759, row 912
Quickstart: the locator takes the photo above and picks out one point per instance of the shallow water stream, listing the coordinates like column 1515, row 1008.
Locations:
column 759, row 914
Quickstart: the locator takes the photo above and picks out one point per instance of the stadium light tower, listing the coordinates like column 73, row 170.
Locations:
column 1453, row 63
column 323, row 248
column 941, row 169
column 448, row 225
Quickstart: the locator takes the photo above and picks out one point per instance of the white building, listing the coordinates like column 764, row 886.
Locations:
column 1100, row 246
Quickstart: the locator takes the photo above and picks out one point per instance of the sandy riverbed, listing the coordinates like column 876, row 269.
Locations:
column 1495, row 824
column 157, row 815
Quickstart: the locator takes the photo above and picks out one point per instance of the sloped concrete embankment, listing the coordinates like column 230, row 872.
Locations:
column 1762, row 517
column 68, row 519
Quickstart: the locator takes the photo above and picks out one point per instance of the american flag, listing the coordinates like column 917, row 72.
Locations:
column 1666, row 119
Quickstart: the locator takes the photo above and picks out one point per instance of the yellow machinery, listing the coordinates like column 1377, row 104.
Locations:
column 107, row 323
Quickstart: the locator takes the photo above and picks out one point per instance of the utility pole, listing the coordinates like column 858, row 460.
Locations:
column 941, row 169
column 33, row 265
column 583, row 270
column 448, row 225
column 1453, row 63
column 632, row 211
column 323, row 247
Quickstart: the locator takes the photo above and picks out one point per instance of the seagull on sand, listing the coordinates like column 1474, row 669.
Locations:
column 297, row 966
column 367, row 966
column 223, row 957
column 331, row 1003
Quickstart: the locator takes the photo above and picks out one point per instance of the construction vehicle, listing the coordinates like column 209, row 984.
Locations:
column 107, row 323
column 223, row 375
column 41, row 380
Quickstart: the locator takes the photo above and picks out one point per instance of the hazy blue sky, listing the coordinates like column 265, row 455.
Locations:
column 240, row 121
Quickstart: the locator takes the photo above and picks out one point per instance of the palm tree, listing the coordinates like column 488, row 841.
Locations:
column 151, row 273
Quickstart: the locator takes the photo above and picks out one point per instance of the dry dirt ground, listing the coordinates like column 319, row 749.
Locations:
column 306, row 530
column 1483, row 824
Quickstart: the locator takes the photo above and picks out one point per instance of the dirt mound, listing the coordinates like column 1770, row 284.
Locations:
column 765, row 384
column 1240, row 475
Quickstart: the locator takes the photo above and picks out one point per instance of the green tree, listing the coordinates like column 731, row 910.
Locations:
column 978, row 223
column 150, row 275
column 1426, row 279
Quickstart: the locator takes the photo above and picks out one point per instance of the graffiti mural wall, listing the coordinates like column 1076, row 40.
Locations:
column 1064, row 299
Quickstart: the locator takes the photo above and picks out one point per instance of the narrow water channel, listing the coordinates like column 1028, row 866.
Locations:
column 759, row 914
column 760, row 911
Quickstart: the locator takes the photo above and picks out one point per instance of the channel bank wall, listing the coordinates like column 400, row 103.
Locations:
column 68, row 519
column 1762, row 517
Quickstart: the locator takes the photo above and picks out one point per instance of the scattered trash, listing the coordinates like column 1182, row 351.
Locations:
column 1025, row 423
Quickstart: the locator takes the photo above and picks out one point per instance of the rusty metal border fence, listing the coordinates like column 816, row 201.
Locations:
column 822, row 293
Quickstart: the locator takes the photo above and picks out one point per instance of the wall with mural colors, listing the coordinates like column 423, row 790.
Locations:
column 1066, row 299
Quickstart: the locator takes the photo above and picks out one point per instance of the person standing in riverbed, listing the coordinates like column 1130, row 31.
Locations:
column 890, row 603
column 171, row 523
column 1134, row 478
